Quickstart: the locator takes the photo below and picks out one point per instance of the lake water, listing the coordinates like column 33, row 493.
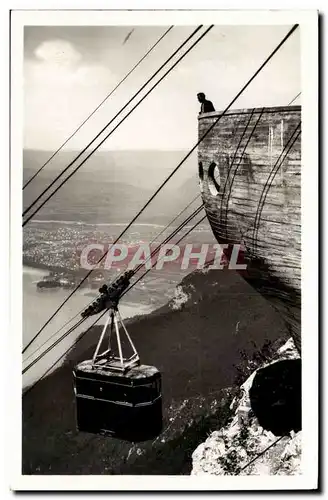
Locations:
column 38, row 306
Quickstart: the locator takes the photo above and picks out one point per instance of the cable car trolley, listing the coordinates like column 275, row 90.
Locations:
column 117, row 395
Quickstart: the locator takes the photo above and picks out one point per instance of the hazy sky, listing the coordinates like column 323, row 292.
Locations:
column 69, row 70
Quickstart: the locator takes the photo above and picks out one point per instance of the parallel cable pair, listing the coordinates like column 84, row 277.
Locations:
column 152, row 254
column 178, row 166
column 234, row 157
column 63, row 355
column 170, row 224
column 134, row 218
column 99, row 106
column 180, row 213
column 190, row 152
column 110, row 122
column 87, row 275
column 179, row 241
column 285, row 151
column 69, row 331
column 197, row 211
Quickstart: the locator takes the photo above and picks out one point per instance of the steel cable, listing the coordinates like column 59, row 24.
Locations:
column 118, row 238
column 98, row 135
column 99, row 106
column 179, row 165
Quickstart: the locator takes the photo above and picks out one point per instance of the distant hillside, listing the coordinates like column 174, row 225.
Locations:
column 131, row 166
column 112, row 186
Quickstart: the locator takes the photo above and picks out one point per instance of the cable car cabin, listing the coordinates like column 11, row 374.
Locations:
column 122, row 404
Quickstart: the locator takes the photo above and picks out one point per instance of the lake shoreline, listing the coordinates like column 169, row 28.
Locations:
column 44, row 267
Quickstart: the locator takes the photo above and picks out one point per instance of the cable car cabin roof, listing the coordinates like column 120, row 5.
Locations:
column 137, row 375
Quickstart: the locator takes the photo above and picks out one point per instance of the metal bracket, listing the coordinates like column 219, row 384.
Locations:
column 107, row 360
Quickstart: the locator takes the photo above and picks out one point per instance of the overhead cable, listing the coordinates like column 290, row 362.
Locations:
column 98, row 107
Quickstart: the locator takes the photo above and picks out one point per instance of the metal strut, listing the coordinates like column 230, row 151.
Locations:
column 108, row 360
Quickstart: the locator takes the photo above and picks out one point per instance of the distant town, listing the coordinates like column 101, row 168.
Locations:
column 57, row 249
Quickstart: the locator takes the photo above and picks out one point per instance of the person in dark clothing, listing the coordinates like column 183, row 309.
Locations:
column 206, row 106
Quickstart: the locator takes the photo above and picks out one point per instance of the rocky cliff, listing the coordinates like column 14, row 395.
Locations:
column 243, row 446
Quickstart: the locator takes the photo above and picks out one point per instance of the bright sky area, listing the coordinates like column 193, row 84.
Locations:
column 69, row 70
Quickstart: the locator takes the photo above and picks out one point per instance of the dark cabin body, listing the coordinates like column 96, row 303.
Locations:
column 125, row 405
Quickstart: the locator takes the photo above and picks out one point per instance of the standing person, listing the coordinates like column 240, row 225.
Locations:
column 206, row 106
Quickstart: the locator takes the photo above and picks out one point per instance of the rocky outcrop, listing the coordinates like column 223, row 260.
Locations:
column 236, row 449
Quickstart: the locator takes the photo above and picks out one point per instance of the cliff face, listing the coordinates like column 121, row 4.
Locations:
column 227, row 451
